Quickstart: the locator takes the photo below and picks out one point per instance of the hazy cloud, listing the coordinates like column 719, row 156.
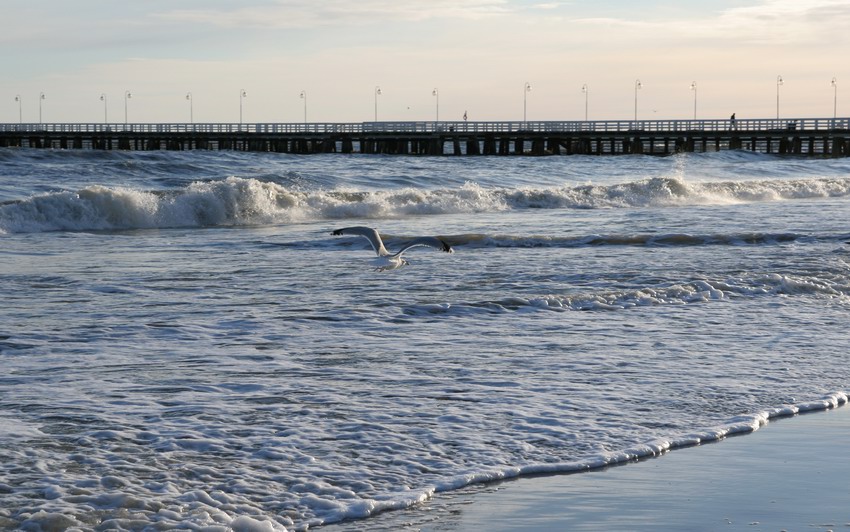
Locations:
column 784, row 21
column 307, row 13
column 765, row 22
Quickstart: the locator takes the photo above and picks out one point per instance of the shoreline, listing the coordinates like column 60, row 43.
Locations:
column 791, row 474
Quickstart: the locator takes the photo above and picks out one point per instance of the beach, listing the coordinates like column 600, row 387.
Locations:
column 187, row 345
column 792, row 474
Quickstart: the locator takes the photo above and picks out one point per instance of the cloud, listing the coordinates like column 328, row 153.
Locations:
column 784, row 21
column 308, row 14
column 766, row 22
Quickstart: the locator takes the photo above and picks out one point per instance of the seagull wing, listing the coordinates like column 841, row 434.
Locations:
column 370, row 234
column 430, row 241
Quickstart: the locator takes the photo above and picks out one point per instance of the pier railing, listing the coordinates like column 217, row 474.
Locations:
column 325, row 128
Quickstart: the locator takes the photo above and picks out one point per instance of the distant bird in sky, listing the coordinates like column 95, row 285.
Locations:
column 387, row 260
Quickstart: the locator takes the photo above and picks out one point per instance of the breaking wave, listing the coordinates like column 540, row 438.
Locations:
column 240, row 201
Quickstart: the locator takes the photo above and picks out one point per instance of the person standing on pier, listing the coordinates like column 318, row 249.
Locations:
column 732, row 120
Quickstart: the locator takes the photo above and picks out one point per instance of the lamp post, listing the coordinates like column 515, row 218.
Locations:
column 436, row 93
column 525, row 90
column 585, row 90
column 694, row 88
column 20, row 111
column 834, row 98
column 127, row 96
column 242, row 96
column 779, row 83
column 638, row 86
column 191, row 111
column 41, row 97
column 105, row 116
column 303, row 96
column 377, row 93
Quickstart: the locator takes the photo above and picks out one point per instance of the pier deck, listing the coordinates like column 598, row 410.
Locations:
column 798, row 136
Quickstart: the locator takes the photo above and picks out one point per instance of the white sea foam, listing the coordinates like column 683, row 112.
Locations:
column 699, row 291
column 240, row 201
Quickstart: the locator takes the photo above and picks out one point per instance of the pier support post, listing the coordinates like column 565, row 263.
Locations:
column 735, row 143
column 489, row 145
column 519, row 146
column 538, row 146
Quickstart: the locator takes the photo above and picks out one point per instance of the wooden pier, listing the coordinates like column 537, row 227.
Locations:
column 820, row 137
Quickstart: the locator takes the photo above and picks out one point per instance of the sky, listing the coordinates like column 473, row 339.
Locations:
column 477, row 54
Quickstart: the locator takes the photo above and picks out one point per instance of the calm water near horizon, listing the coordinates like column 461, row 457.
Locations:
column 185, row 346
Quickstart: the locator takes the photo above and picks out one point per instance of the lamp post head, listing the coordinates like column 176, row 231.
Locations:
column 693, row 85
column 779, row 80
column 527, row 87
column 638, row 84
column 584, row 88
column 17, row 98
column 242, row 93
column 378, row 90
column 435, row 92
column 834, row 82
column 188, row 95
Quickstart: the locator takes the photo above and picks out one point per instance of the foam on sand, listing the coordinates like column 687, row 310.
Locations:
column 788, row 476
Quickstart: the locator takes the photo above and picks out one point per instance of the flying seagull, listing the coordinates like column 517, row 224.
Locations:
column 387, row 260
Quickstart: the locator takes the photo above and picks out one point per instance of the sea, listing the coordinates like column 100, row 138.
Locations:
column 184, row 344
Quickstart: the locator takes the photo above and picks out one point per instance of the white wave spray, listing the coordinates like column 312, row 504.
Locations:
column 239, row 201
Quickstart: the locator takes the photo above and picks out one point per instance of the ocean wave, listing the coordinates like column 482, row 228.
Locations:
column 672, row 191
column 477, row 240
column 240, row 201
column 697, row 291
